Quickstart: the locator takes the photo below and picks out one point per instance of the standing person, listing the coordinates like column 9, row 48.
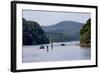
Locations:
column 52, row 44
column 47, row 48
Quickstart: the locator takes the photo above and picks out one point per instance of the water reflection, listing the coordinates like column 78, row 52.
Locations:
column 66, row 51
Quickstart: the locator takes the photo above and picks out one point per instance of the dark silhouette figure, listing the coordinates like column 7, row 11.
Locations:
column 47, row 48
column 52, row 44
column 42, row 47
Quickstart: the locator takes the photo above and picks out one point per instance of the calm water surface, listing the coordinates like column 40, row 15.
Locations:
column 71, row 51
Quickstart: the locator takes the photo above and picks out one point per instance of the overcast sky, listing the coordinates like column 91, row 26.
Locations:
column 46, row 18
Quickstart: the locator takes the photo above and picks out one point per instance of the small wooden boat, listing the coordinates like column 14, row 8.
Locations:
column 42, row 47
column 62, row 44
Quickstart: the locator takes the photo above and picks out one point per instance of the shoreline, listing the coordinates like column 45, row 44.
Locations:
column 85, row 45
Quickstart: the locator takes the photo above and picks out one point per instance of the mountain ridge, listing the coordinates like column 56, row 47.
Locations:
column 63, row 31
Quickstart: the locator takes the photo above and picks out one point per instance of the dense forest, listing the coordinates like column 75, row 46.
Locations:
column 33, row 33
column 85, row 34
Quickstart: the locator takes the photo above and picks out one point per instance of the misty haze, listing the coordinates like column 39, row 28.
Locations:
column 56, row 36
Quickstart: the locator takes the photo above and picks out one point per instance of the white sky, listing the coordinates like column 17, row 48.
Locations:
column 47, row 18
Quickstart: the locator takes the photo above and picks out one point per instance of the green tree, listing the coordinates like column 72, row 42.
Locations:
column 33, row 33
column 85, row 34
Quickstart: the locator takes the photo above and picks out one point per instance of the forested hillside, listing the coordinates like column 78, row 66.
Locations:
column 85, row 34
column 33, row 34
column 63, row 31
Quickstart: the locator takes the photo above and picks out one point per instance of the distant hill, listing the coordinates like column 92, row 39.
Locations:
column 63, row 31
column 33, row 33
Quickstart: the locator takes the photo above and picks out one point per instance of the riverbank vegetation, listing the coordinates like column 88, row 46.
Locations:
column 33, row 33
column 85, row 34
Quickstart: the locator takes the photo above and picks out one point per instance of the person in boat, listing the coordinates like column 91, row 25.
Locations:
column 42, row 47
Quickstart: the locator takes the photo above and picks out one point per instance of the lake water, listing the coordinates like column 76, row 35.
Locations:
column 71, row 51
